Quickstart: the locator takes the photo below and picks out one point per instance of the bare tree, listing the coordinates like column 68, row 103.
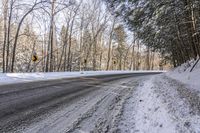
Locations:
column 18, row 29
column 110, row 45
column 5, row 14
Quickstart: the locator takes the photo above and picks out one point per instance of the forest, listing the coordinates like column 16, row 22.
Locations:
column 95, row 35
column 170, row 27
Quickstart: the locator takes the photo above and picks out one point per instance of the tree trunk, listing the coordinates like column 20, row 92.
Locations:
column 70, row 40
column 110, row 46
column 132, row 66
column 148, row 58
column 5, row 13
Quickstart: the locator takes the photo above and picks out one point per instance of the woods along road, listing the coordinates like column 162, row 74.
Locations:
column 106, row 103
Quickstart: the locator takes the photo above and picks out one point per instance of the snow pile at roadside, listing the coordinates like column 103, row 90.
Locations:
column 7, row 78
column 161, row 105
column 145, row 113
column 183, row 74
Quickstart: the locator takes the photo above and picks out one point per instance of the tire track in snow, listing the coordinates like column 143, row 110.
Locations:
column 108, row 112
column 68, row 119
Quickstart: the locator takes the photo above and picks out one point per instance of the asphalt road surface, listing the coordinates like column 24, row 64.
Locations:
column 22, row 104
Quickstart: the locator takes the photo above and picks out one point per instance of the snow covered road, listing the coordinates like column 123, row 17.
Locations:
column 125, row 103
column 58, row 105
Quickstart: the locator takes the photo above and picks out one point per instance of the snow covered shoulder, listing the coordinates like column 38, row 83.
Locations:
column 161, row 105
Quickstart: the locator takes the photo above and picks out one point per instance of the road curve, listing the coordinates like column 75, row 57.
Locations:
column 21, row 103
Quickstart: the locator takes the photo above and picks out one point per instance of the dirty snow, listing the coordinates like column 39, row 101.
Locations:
column 145, row 113
column 183, row 104
column 99, row 111
column 158, row 105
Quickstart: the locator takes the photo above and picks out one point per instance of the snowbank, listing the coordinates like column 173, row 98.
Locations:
column 145, row 112
column 183, row 74
column 8, row 78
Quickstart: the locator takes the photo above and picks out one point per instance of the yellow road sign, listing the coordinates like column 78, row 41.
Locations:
column 85, row 61
column 34, row 58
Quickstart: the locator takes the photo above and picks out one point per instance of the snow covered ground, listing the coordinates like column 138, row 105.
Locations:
column 166, row 103
column 7, row 78
column 161, row 105
column 183, row 74
column 144, row 112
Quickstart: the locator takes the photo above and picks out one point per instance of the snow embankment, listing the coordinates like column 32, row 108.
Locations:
column 161, row 105
column 8, row 78
column 183, row 74
column 145, row 112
